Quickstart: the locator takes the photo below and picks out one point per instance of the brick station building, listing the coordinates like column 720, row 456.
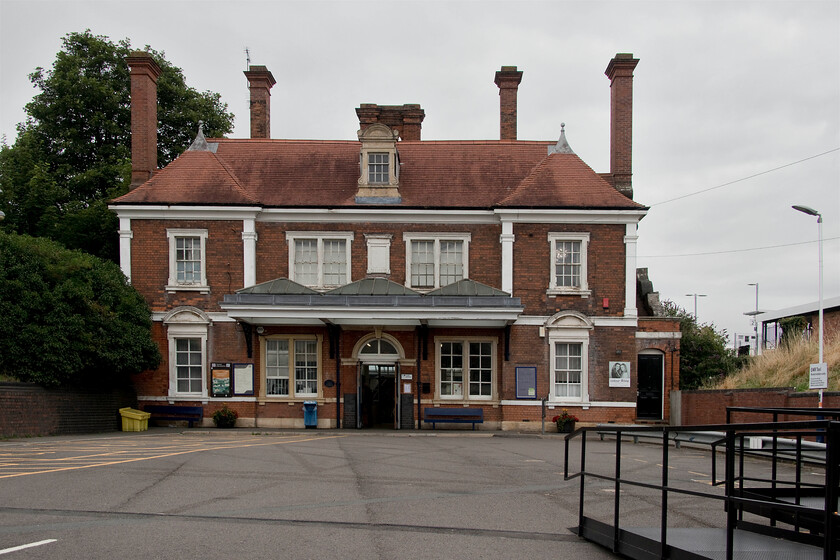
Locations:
column 384, row 276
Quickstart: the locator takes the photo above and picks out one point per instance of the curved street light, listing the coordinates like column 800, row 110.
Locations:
column 812, row 212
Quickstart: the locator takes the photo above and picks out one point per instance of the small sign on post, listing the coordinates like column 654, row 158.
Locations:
column 818, row 378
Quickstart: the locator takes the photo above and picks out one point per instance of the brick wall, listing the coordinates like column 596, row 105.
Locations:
column 605, row 269
column 709, row 407
column 30, row 410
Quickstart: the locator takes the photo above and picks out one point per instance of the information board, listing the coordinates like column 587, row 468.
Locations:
column 243, row 379
column 220, row 377
column 526, row 382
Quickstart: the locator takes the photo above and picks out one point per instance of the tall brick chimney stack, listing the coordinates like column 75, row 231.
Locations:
column 508, row 79
column 406, row 119
column 260, row 81
column 144, row 122
column 620, row 73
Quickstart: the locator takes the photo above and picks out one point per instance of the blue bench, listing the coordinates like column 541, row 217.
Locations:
column 453, row 416
column 189, row 414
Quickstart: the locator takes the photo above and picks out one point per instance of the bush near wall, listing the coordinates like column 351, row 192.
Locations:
column 30, row 410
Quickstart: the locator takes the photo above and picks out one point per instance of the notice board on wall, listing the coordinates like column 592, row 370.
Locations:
column 526, row 382
column 220, row 374
column 243, row 379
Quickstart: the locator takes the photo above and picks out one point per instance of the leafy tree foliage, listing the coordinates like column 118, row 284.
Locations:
column 69, row 317
column 73, row 153
column 703, row 351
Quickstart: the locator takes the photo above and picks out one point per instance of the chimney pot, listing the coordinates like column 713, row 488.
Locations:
column 144, row 123
column 260, row 82
column 508, row 79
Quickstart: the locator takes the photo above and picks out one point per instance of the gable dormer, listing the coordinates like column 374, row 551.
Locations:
column 379, row 166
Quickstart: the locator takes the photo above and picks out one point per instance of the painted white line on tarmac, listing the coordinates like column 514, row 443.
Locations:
column 23, row 546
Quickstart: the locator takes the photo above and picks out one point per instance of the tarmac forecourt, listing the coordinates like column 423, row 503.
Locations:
column 49, row 456
column 169, row 493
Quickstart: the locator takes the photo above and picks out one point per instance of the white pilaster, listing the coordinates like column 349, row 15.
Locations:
column 125, row 246
column 506, row 239
column 249, row 253
column 630, row 238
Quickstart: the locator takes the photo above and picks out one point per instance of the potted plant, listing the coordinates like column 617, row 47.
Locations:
column 565, row 422
column 225, row 417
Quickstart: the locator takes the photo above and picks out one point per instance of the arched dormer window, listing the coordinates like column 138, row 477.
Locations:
column 378, row 166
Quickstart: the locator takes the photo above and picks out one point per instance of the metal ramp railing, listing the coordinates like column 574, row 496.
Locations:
column 764, row 494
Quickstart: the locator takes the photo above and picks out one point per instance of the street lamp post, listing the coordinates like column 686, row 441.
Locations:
column 812, row 212
column 695, row 303
column 754, row 315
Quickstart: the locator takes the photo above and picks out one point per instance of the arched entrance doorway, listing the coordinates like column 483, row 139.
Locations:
column 377, row 383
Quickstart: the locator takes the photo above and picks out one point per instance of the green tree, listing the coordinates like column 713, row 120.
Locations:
column 73, row 153
column 69, row 317
column 703, row 352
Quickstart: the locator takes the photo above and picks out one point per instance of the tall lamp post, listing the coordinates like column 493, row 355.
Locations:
column 754, row 315
column 695, row 303
column 812, row 212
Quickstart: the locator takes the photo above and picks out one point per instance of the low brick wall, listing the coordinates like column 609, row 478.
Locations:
column 709, row 407
column 31, row 410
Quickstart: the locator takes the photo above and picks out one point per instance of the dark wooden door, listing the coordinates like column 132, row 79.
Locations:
column 649, row 388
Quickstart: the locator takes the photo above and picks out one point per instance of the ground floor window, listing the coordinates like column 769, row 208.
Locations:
column 186, row 338
column 466, row 369
column 291, row 366
column 189, row 367
column 568, row 369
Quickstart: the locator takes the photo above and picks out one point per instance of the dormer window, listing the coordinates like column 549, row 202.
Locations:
column 378, row 168
column 379, row 177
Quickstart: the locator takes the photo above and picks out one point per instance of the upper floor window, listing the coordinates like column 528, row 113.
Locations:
column 436, row 259
column 568, row 263
column 319, row 260
column 187, row 259
column 378, row 168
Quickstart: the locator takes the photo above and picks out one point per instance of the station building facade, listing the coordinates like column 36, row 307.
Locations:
column 386, row 275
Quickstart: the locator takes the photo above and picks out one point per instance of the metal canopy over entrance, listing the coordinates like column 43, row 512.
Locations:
column 464, row 304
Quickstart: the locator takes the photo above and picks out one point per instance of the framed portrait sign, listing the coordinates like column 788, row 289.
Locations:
column 619, row 374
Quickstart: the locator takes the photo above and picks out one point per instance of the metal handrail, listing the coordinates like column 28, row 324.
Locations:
column 734, row 496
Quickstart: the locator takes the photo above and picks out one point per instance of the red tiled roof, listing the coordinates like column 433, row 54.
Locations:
column 565, row 181
column 193, row 178
column 433, row 174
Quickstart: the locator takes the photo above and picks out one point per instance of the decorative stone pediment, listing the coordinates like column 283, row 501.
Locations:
column 569, row 320
column 186, row 315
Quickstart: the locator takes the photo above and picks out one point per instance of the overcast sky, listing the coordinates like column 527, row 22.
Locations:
column 724, row 94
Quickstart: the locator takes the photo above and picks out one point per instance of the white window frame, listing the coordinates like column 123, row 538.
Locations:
column 379, row 172
column 293, row 393
column 436, row 238
column 569, row 336
column 465, row 369
column 320, row 237
column 173, row 284
column 553, row 288
column 174, row 333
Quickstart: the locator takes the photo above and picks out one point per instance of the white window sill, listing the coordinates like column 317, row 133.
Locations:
column 188, row 288
column 569, row 292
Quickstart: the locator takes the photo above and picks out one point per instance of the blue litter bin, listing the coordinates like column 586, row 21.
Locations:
column 310, row 414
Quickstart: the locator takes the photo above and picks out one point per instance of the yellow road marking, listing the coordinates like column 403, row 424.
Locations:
column 109, row 463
